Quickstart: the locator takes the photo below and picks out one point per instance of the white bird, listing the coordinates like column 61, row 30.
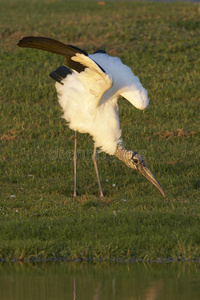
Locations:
column 88, row 95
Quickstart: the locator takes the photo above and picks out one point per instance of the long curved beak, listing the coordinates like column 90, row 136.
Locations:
column 144, row 170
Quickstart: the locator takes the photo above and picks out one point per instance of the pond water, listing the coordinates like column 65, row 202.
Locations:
column 85, row 281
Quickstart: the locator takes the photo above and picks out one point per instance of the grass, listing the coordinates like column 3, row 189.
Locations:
column 38, row 216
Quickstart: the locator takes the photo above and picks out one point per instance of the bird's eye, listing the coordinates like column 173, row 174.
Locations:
column 135, row 160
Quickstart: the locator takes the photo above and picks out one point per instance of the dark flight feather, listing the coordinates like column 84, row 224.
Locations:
column 56, row 47
column 60, row 73
column 100, row 51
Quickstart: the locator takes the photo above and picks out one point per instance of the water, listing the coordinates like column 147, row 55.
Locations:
column 85, row 281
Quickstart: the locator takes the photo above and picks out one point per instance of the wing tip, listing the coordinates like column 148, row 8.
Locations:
column 100, row 51
column 60, row 73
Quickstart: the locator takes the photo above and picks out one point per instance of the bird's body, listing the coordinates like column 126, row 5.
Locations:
column 95, row 110
column 88, row 95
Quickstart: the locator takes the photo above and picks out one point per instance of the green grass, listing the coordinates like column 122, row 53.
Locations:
column 160, row 42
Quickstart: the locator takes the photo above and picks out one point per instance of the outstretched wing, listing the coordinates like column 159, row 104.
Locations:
column 94, row 78
column 53, row 46
column 91, row 74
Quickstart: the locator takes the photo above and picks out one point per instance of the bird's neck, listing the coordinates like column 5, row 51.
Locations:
column 120, row 152
column 124, row 155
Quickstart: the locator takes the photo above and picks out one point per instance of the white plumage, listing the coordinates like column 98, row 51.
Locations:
column 89, row 99
column 88, row 95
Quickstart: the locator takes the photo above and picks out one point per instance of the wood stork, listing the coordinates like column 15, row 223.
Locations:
column 88, row 95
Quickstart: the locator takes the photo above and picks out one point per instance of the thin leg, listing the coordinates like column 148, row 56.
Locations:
column 94, row 157
column 75, row 162
column 74, row 288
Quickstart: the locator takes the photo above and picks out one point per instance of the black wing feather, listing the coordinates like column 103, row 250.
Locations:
column 100, row 51
column 60, row 73
column 54, row 46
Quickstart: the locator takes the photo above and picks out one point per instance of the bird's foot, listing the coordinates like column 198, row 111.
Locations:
column 101, row 195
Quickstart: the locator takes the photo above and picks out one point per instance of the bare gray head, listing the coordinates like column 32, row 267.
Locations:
column 134, row 161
